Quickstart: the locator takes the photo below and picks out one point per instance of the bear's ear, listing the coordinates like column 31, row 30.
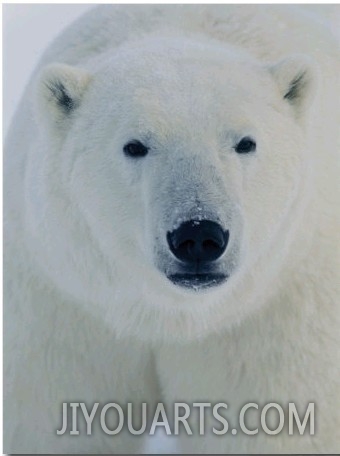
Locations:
column 60, row 89
column 296, row 77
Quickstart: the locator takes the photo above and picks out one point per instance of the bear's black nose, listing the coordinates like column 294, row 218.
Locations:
column 195, row 241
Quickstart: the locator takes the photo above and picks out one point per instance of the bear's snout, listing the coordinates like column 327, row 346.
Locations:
column 197, row 241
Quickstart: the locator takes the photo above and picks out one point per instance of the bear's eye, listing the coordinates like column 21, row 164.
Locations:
column 245, row 146
column 135, row 149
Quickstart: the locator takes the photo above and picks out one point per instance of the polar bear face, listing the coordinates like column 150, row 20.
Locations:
column 175, row 171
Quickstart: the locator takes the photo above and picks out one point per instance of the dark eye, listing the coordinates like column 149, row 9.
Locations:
column 245, row 146
column 135, row 149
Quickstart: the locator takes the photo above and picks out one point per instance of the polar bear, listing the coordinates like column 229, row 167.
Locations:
column 171, row 227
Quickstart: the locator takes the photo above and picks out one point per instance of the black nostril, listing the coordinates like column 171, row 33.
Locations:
column 195, row 241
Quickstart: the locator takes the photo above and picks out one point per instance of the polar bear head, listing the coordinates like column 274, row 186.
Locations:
column 166, row 182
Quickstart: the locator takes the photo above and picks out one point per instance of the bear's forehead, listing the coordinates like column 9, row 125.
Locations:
column 176, row 85
column 182, row 65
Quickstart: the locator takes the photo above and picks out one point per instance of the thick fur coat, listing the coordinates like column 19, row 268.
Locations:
column 90, row 313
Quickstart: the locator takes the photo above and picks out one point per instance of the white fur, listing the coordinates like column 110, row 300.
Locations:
column 89, row 313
